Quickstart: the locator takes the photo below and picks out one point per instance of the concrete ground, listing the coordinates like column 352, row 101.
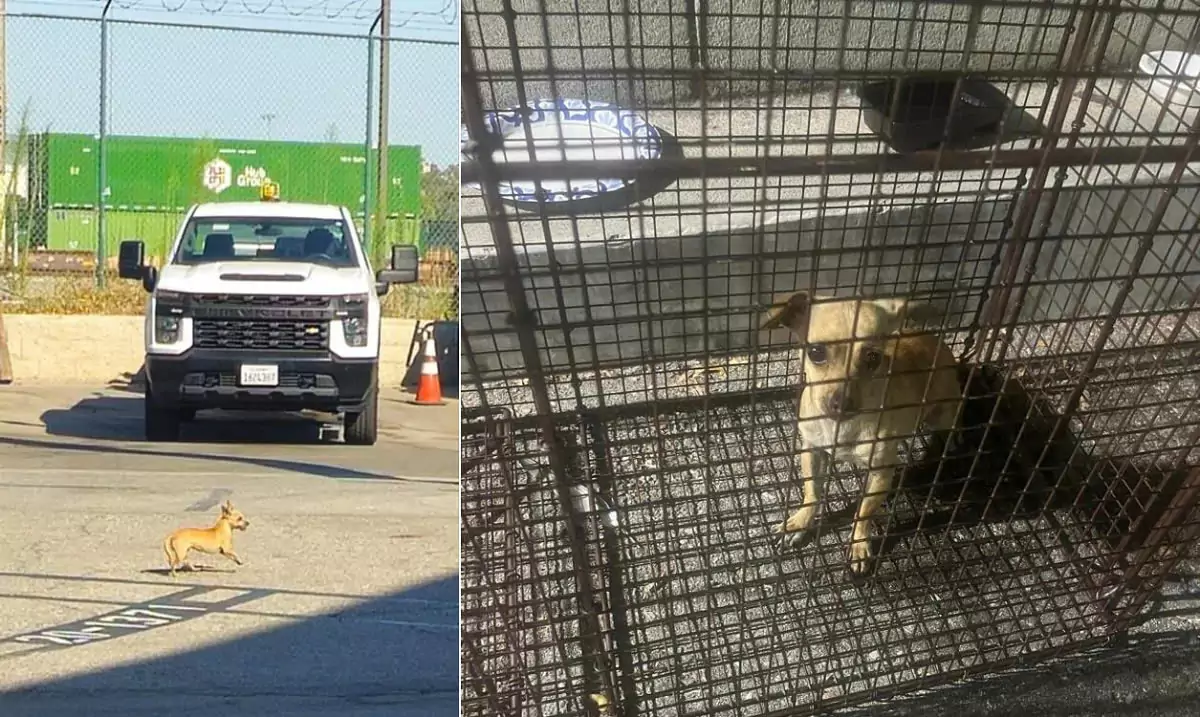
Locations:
column 347, row 602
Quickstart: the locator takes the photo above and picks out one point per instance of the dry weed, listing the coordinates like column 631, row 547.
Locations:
column 432, row 298
column 76, row 294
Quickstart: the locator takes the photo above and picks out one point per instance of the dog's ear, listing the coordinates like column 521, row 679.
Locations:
column 227, row 506
column 912, row 311
column 792, row 313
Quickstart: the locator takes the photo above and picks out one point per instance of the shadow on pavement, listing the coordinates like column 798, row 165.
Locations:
column 307, row 467
column 393, row 655
column 119, row 418
column 195, row 569
column 130, row 382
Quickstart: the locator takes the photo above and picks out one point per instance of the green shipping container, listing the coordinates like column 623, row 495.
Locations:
column 163, row 174
column 75, row 230
column 70, row 229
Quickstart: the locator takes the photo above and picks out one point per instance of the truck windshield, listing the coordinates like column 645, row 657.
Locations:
column 318, row 241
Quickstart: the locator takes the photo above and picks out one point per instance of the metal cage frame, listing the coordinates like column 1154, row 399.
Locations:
column 629, row 435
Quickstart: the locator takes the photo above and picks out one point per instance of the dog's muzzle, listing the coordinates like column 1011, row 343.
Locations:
column 840, row 404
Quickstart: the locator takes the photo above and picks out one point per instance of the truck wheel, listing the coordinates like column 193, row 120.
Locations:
column 161, row 424
column 361, row 429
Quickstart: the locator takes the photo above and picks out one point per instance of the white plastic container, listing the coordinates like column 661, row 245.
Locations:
column 1175, row 76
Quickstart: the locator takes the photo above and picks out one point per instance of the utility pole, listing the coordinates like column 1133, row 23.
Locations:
column 382, row 180
column 268, row 117
column 6, row 369
column 8, row 179
column 102, row 157
column 368, row 206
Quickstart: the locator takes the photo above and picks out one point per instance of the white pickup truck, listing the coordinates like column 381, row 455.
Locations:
column 265, row 305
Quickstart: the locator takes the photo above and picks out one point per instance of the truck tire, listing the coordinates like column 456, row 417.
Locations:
column 361, row 428
column 161, row 424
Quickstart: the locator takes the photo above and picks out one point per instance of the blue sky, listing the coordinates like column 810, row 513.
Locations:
column 185, row 82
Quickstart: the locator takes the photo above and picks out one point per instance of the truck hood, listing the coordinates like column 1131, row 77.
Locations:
column 264, row 277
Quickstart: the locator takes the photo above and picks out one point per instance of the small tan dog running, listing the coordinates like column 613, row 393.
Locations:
column 868, row 385
column 215, row 540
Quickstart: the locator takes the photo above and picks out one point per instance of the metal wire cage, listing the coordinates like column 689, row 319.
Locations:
column 630, row 438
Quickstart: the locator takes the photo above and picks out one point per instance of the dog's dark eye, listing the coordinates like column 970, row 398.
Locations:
column 871, row 359
column 816, row 353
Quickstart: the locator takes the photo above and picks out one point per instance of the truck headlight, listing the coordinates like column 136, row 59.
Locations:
column 168, row 313
column 355, row 330
column 166, row 329
column 353, row 312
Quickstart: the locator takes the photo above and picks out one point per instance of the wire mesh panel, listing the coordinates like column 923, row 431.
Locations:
column 33, row 94
column 301, row 141
column 421, row 104
column 1015, row 181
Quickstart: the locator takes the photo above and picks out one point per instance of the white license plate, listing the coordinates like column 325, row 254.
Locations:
column 253, row 375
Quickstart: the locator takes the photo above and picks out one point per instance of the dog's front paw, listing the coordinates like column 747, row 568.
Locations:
column 861, row 559
column 787, row 538
column 783, row 540
column 794, row 532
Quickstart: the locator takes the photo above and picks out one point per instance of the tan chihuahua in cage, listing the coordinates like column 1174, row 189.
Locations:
column 215, row 540
column 868, row 385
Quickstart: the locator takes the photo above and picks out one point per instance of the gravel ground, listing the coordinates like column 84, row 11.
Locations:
column 718, row 623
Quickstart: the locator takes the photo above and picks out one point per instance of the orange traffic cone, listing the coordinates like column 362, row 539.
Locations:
column 429, row 389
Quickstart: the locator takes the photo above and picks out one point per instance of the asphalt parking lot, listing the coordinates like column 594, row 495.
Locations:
column 347, row 602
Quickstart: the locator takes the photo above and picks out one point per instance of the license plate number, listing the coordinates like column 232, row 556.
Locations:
column 254, row 375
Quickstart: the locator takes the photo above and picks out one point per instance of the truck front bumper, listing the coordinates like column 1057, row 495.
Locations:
column 207, row 378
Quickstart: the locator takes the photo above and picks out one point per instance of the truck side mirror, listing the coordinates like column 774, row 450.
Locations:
column 405, row 266
column 131, row 264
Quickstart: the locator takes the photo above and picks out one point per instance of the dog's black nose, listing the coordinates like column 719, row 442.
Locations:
column 839, row 403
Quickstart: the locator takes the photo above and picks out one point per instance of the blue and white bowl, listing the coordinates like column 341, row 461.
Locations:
column 1175, row 76
column 567, row 129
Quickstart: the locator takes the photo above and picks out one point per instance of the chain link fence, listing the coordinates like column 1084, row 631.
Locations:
column 115, row 127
